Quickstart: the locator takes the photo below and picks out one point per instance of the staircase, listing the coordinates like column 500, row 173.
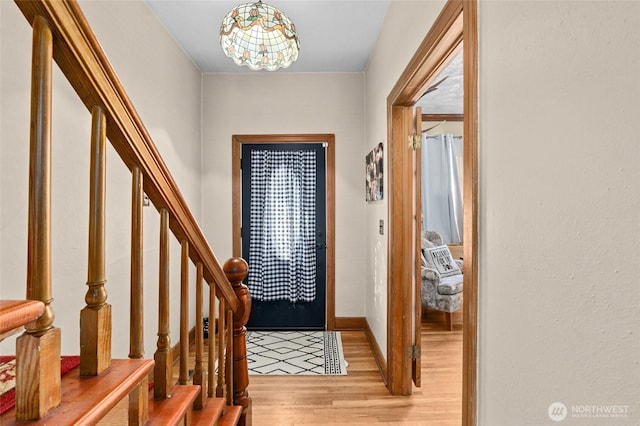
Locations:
column 86, row 394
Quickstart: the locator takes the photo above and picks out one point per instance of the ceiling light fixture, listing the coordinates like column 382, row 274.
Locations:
column 259, row 36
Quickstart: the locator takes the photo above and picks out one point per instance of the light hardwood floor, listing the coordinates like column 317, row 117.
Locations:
column 360, row 397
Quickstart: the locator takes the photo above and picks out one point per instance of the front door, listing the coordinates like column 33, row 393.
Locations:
column 284, row 234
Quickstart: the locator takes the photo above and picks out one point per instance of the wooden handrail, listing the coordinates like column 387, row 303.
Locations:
column 14, row 314
column 85, row 65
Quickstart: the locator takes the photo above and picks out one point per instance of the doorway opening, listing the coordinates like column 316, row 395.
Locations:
column 457, row 21
column 283, row 234
column 290, row 318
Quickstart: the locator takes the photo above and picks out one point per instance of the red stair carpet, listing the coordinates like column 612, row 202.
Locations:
column 8, row 378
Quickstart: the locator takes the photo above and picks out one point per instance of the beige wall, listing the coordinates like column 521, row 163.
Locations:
column 396, row 45
column 559, row 207
column 165, row 89
column 559, row 199
column 278, row 103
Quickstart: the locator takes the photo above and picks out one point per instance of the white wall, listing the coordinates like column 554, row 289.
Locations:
column 278, row 103
column 165, row 88
column 559, row 203
column 559, row 209
column 396, row 45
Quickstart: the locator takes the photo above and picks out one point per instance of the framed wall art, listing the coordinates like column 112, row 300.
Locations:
column 374, row 180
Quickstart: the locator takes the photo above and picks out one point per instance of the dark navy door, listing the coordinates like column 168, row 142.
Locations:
column 284, row 234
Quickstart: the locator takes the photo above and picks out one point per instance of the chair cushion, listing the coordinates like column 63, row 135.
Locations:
column 450, row 285
column 440, row 259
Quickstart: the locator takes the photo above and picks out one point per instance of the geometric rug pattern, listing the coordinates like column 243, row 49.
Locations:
column 295, row 352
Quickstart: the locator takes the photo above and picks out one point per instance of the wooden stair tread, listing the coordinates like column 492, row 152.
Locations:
column 17, row 313
column 171, row 411
column 209, row 414
column 85, row 400
column 231, row 416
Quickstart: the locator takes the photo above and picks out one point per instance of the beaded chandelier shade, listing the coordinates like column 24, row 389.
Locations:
column 259, row 36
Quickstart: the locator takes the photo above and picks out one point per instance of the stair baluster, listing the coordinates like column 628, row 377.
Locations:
column 183, row 377
column 199, row 377
column 136, row 326
column 211, row 342
column 38, row 349
column 139, row 397
column 95, row 318
column 228, row 364
column 163, row 374
column 221, row 387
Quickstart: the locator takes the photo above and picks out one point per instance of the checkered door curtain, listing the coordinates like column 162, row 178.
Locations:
column 282, row 251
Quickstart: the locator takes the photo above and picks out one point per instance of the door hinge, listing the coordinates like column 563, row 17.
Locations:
column 415, row 141
column 241, row 232
column 414, row 352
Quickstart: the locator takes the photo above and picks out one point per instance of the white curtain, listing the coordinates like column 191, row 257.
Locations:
column 442, row 186
column 282, row 252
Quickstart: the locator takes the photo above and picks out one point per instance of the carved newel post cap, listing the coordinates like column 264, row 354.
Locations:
column 235, row 269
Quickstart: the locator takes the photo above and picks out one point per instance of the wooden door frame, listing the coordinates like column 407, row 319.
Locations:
column 449, row 29
column 236, row 187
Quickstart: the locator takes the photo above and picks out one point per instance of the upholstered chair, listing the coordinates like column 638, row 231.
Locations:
column 442, row 281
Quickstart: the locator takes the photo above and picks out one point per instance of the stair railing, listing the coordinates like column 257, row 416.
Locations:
column 79, row 56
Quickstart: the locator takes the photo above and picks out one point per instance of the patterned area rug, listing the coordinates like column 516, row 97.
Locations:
column 295, row 352
column 8, row 378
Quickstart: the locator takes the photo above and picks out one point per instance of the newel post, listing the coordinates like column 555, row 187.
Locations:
column 236, row 270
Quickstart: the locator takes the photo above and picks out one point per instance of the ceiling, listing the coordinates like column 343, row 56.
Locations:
column 446, row 98
column 329, row 40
